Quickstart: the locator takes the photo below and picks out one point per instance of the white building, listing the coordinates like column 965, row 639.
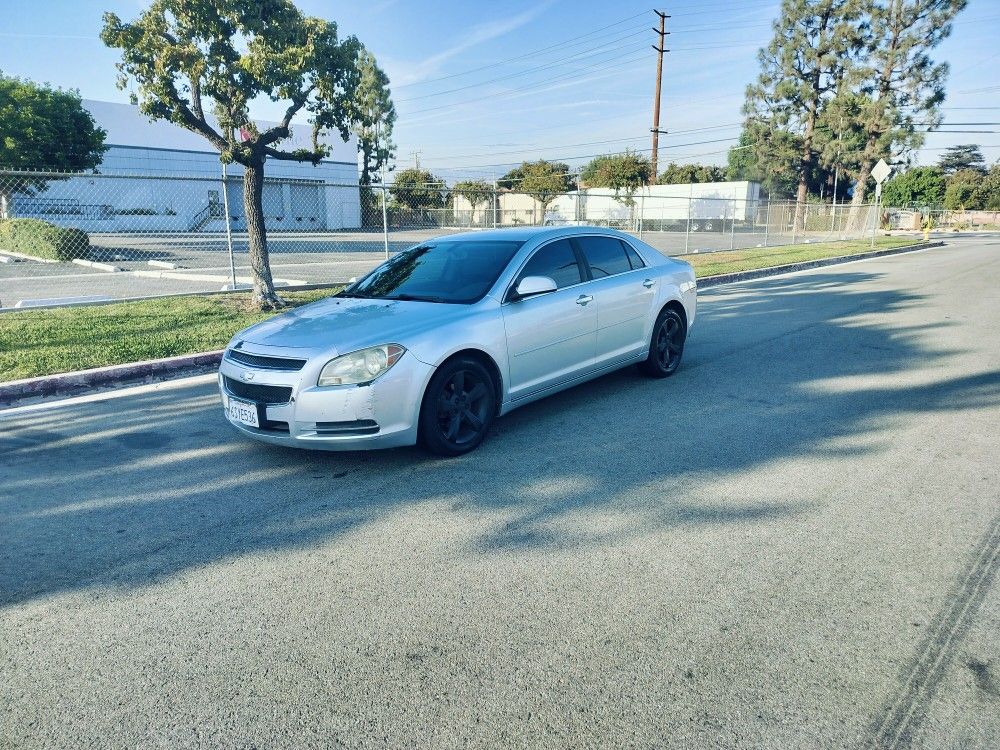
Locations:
column 156, row 176
column 666, row 204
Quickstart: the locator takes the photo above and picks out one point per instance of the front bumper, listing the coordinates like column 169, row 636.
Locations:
column 382, row 414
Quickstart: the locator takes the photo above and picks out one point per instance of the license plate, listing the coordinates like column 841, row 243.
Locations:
column 243, row 412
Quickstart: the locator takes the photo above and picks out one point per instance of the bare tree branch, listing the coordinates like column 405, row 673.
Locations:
column 313, row 156
column 282, row 129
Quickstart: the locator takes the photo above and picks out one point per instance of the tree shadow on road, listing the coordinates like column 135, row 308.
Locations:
column 806, row 367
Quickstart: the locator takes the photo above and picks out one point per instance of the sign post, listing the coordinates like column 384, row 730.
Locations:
column 880, row 172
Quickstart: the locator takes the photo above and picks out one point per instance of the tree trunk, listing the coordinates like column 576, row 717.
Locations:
column 858, row 199
column 260, row 265
column 4, row 202
column 805, row 164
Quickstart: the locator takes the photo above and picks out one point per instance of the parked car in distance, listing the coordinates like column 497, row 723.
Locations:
column 441, row 339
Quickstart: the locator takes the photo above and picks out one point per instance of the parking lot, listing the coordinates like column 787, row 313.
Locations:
column 792, row 543
column 138, row 265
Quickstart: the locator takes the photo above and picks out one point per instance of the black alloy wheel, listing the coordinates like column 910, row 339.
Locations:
column 666, row 346
column 458, row 408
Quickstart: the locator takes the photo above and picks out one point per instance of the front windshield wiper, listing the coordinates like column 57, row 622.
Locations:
column 357, row 295
column 417, row 298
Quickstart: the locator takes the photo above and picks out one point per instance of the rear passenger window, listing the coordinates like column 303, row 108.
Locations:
column 633, row 256
column 606, row 256
column 557, row 261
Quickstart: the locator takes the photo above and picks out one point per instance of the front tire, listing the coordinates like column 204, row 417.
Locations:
column 666, row 345
column 458, row 409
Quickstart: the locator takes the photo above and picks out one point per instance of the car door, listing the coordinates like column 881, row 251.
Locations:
column 624, row 296
column 551, row 337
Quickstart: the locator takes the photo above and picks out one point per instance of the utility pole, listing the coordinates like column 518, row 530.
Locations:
column 416, row 158
column 660, row 49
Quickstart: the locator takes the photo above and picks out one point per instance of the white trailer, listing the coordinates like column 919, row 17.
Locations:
column 663, row 204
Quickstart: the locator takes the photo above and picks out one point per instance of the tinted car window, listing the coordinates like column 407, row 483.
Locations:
column 557, row 261
column 633, row 256
column 606, row 256
column 458, row 272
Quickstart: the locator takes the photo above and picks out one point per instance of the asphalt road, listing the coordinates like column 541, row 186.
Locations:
column 792, row 543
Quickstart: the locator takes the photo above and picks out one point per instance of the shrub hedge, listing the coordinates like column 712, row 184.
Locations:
column 43, row 240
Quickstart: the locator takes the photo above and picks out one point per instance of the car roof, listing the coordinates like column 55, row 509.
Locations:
column 524, row 234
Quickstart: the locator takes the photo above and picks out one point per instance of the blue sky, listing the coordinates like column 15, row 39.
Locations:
column 480, row 86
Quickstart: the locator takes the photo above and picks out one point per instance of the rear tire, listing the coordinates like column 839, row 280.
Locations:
column 458, row 409
column 666, row 345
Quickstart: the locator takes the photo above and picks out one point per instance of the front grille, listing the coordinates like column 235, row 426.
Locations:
column 357, row 427
column 267, row 363
column 266, row 394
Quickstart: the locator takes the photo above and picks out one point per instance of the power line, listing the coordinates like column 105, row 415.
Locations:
column 589, row 143
column 519, row 90
column 575, row 42
column 596, row 52
column 525, row 55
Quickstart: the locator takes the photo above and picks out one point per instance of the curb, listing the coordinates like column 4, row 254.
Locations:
column 153, row 370
column 133, row 373
column 761, row 273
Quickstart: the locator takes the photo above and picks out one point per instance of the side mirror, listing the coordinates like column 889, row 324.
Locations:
column 531, row 286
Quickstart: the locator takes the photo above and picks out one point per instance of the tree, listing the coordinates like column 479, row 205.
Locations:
column 921, row 186
column 375, row 115
column 417, row 188
column 43, row 128
column 899, row 87
column 960, row 191
column 987, row 195
column 624, row 173
column 678, row 174
column 767, row 156
column 814, row 41
column 474, row 191
column 682, row 174
column 964, row 157
column 187, row 55
column 542, row 180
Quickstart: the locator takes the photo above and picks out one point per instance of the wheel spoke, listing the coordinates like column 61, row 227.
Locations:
column 459, row 382
column 452, row 432
column 477, row 392
column 473, row 419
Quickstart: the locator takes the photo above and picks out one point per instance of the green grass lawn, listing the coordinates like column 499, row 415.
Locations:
column 712, row 264
column 43, row 342
column 62, row 339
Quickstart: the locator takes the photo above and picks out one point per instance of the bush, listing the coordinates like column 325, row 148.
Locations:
column 41, row 239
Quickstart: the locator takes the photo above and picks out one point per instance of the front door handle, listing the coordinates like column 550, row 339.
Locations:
column 583, row 299
column 648, row 283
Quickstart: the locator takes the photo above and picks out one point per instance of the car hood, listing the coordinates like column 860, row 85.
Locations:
column 343, row 324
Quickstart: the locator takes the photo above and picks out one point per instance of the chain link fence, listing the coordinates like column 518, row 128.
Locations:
column 86, row 237
column 939, row 219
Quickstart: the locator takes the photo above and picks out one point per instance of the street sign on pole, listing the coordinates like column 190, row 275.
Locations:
column 880, row 171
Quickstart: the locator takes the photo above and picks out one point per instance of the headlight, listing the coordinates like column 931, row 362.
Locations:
column 362, row 366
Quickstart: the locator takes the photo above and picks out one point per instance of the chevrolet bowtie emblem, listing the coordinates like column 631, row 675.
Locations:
column 247, row 376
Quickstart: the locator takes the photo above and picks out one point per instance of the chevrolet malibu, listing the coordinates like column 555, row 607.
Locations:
column 441, row 339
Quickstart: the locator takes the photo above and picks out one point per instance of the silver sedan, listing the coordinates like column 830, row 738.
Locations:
column 440, row 340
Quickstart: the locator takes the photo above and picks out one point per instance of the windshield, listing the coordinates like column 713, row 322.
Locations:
column 459, row 271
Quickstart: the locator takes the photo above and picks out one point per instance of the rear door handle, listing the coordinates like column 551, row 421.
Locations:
column 648, row 283
column 583, row 299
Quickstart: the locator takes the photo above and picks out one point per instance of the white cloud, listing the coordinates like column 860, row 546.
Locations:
column 417, row 71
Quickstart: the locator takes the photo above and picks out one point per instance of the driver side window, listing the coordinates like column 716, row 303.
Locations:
column 557, row 261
